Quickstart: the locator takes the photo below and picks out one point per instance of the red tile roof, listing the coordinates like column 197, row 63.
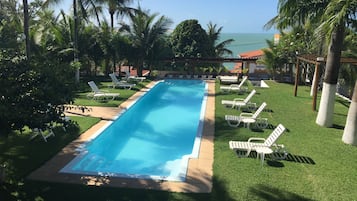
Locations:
column 238, row 66
column 254, row 53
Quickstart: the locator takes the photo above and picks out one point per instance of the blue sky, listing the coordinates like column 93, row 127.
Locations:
column 235, row 16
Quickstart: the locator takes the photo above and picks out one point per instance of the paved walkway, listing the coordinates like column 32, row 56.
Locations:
column 199, row 172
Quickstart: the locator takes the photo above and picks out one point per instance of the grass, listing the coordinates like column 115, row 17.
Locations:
column 82, row 99
column 319, row 165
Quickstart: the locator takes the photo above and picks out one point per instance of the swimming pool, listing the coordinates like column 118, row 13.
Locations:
column 154, row 138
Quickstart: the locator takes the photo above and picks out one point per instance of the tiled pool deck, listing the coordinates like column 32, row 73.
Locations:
column 199, row 172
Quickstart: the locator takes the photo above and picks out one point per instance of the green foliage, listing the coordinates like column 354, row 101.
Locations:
column 10, row 26
column 146, row 33
column 32, row 93
column 189, row 39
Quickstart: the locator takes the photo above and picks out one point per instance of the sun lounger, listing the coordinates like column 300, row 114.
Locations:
column 136, row 78
column 248, row 118
column 239, row 102
column 228, row 79
column 255, row 143
column 235, row 87
column 97, row 94
column 38, row 132
column 121, row 84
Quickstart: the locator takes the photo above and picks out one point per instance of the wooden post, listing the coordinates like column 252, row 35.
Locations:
column 316, row 81
column 296, row 77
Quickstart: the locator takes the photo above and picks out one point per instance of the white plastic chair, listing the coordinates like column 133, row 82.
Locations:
column 97, row 94
column 254, row 142
column 248, row 118
column 239, row 102
column 122, row 84
column 235, row 87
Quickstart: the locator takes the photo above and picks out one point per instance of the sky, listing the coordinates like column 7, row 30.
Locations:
column 235, row 16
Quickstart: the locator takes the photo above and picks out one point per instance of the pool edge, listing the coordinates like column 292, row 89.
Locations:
column 199, row 173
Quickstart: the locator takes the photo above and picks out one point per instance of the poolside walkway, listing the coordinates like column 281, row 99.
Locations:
column 199, row 172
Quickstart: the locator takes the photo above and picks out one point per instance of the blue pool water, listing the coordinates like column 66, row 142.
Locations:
column 152, row 139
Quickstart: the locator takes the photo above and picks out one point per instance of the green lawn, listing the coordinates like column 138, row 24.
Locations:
column 319, row 166
column 83, row 100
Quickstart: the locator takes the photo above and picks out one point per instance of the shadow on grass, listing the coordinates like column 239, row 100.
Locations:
column 219, row 191
column 276, row 157
column 343, row 102
column 339, row 127
column 275, row 194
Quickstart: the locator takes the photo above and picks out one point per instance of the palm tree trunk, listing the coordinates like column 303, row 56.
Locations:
column 350, row 132
column 75, row 38
column 26, row 29
column 327, row 103
column 112, row 21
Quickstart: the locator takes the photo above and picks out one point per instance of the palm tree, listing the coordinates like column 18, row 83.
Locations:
column 335, row 16
column 117, row 6
column 219, row 49
column 145, row 32
column 26, row 28
column 121, row 8
column 350, row 132
column 83, row 5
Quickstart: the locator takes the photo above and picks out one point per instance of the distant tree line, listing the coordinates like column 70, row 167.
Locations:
column 43, row 54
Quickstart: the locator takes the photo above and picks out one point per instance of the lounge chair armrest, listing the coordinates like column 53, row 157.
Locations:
column 261, row 123
column 256, row 139
column 238, row 99
column 246, row 115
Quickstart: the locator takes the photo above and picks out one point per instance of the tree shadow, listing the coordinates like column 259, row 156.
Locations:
column 275, row 194
column 275, row 159
column 339, row 127
column 343, row 102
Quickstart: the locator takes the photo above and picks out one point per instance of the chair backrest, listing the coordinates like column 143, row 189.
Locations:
column 242, row 82
column 127, row 74
column 274, row 135
column 246, row 100
column 259, row 110
column 93, row 86
column 114, row 78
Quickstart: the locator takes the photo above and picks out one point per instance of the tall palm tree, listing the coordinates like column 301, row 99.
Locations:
column 350, row 132
column 219, row 49
column 26, row 28
column 145, row 32
column 119, row 7
column 334, row 16
column 83, row 6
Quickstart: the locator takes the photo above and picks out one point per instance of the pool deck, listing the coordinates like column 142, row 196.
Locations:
column 199, row 172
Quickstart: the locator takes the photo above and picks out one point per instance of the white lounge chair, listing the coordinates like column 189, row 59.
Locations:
column 131, row 77
column 239, row 102
column 235, row 87
column 248, row 118
column 97, row 94
column 228, row 79
column 121, row 84
column 255, row 143
column 137, row 78
column 38, row 132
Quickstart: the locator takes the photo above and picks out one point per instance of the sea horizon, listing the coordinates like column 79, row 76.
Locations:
column 245, row 42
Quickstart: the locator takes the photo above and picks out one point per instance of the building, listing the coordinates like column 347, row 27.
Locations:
column 253, row 69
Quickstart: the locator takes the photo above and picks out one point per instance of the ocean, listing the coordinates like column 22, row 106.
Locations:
column 244, row 42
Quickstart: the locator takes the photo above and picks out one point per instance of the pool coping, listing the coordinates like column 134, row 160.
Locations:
column 199, row 172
